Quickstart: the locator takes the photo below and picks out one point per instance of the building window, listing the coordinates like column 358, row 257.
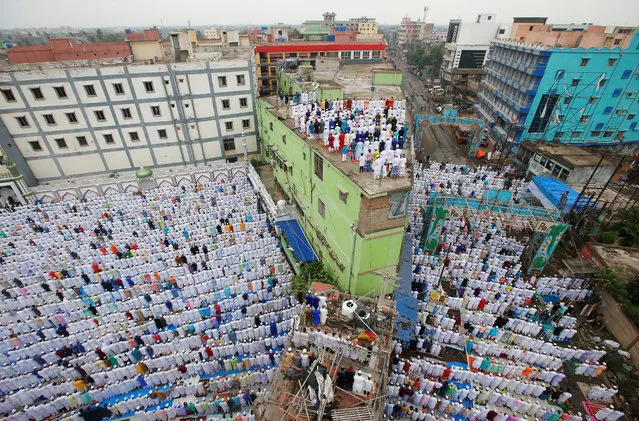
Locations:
column 270, row 125
column 345, row 55
column 567, row 100
column 584, row 62
column 631, row 116
column 228, row 125
column 592, row 100
column 82, row 140
column 60, row 91
column 595, row 133
column 243, row 102
column 398, row 204
column 366, row 55
column 343, row 196
column 221, row 81
column 356, row 55
column 617, row 41
column 611, row 62
column 90, row 90
column 584, row 119
column 118, row 88
column 616, row 93
column 620, row 135
column 607, row 133
column 319, row 167
column 376, row 54
column 126, row 113
column 8, row 95
column 559, row 135
column 22, row 121
column 240, row 80
column 321, row 208
column 226, row 104
column 246, row 123
column 35, row 145
column 37, row 93
column 576, row 135
column 607, row 110
column 621, row 112
column 155, row 110
column 108, row 138
column 626, row 74
column 602, row 82
column 229, row 145
column 49, row 119
column 99, row 115
column 62, row 144
column 148, row 86
column 575, row 82
column 134, row 136
column 162, row 134
column 284, row 139
column 71, row 117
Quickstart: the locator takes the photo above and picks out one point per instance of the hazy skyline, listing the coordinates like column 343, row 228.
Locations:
column 124, row 13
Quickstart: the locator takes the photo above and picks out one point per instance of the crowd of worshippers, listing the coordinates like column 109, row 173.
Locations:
column 505, row 322
column 118, row 303
column 371, row 132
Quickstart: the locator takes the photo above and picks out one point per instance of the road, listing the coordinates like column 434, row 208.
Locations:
column 439, row 142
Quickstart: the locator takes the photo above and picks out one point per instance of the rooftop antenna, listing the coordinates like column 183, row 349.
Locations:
column 426, row 9
column 189, row 21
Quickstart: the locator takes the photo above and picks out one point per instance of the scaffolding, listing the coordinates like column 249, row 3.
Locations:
column 289, row 397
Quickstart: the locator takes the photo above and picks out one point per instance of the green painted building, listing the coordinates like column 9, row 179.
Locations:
column 354, row 222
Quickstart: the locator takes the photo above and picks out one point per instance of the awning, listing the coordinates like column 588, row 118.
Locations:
column 296, row 239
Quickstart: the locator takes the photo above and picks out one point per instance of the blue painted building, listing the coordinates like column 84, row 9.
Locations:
column 556, row 94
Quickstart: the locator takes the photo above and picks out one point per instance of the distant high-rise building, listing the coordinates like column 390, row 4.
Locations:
column 466, row 50
column 211, row 33
column 410, row 31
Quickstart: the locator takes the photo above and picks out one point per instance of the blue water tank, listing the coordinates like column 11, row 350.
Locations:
column 127, row 31
column 330, row 38
column 264, row 28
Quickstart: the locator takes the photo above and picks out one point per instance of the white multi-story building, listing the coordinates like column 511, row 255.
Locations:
column 71, row 122
column 211, row 33
column 466, row 50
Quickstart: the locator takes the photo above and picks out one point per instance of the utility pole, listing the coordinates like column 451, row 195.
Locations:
column 386, row 277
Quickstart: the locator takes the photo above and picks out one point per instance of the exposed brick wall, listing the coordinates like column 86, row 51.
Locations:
column 67, row 49
column 373, row 215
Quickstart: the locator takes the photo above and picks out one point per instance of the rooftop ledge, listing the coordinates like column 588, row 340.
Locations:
column 364, row 181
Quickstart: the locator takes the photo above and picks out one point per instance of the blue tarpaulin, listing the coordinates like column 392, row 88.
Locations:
column 554, row 190
column 297, row 240
column 406, row 304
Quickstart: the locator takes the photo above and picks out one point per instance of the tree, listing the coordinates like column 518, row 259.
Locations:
column 199, row 34
column 294, row 34
column 99, row 34
column 311, row 272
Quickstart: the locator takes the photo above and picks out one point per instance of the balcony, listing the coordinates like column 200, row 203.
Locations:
column 497, row 108
column 529, row 89
column 520, row 107
column 534, row 70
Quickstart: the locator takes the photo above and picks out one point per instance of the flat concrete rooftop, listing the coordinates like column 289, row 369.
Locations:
column 365, row 181
column 356, row 79
column 569, row 154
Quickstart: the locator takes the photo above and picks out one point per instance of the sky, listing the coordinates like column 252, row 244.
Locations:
column 136, row 13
